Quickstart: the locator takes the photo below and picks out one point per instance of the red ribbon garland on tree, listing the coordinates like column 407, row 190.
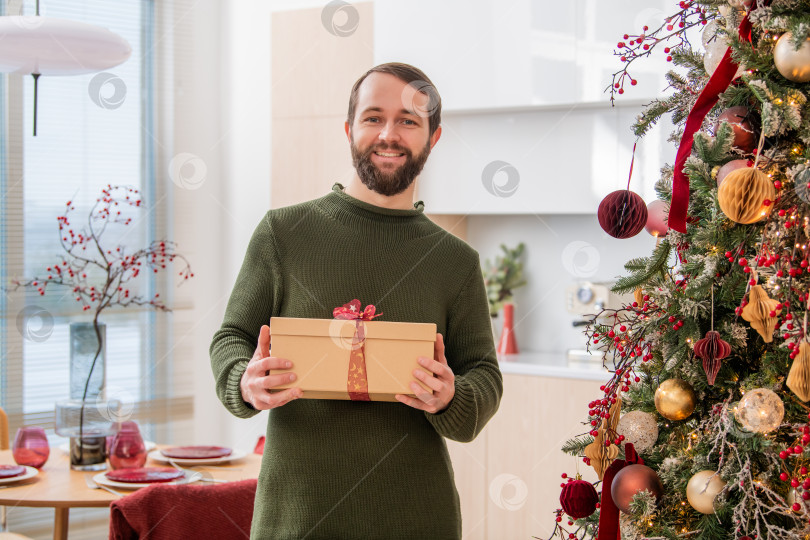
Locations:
column 719, row 81
column 608, row 511
column 357, row 377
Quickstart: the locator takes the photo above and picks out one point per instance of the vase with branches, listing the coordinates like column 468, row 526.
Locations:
column 503, row 276
column 100, row 273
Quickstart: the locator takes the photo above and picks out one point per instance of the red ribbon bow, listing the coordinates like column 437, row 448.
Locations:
column 352, row 311
column 718, row 82
column 357, row 377
column 608, row 511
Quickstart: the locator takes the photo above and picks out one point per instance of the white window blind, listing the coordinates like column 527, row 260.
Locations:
column 92, row 130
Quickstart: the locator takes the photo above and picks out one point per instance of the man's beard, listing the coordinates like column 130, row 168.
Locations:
column 385, row 183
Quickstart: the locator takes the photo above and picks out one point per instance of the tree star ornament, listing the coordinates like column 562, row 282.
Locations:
column 601, row 456
column 798, row 379
column 711, row 349
column 758, row 312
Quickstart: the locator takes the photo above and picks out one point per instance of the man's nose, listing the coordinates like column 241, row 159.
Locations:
column 389, row 132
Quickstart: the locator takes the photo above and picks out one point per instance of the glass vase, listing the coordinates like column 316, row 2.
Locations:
column 507, row 345
column 87, row 423
column 87, row 370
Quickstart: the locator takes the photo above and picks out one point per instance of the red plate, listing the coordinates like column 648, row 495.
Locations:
column 196, row 452
column 145, row 475
column 10, row 471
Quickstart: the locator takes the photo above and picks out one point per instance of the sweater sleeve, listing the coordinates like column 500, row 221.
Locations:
column 470, row 352
column 251, row 305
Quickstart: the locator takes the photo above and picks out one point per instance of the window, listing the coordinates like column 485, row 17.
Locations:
column 93, row 130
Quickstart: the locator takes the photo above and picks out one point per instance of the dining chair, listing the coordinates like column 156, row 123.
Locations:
column 168, row 512
column 4, row 445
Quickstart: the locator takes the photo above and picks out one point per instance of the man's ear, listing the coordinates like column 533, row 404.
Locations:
column 348, row 130
column 435, row 137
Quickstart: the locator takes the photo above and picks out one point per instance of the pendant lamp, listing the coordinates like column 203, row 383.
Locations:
column 52, row 46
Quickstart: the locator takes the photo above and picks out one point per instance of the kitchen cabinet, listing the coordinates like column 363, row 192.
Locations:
column 509, row 477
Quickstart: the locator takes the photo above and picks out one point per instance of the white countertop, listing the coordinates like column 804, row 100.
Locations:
column 554, row 365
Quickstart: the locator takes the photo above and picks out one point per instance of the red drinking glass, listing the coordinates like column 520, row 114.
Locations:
column 31, row 447
column 128, row 450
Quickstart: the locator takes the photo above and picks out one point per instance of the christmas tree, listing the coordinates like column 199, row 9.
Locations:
column 710, row 365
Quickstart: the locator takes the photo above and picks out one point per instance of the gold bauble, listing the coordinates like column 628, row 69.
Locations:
column 798, row 379
column 792, row 64
column 640, row 429
column 758, row 312
column 702, row 489
column 743, row 193
column 675, row 399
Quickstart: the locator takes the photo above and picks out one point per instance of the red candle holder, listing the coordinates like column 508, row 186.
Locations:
column 128, row 449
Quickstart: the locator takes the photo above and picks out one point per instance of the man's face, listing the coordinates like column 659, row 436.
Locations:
column 389, row 134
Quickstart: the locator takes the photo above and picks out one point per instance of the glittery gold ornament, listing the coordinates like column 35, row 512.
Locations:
column 743, row 193
column 702, row 489
column 792, row 64
column 675, row 399
column 798, row 379
column 758, row 312
column 640, row 429
column 601, row 456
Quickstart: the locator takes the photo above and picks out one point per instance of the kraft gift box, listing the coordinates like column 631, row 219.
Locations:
column 321, row 353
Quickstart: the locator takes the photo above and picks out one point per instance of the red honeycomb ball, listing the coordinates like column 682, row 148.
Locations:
column 622, row 214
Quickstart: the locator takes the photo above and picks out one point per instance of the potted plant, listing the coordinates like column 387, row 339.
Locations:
column 501, row 278
column 99, row 275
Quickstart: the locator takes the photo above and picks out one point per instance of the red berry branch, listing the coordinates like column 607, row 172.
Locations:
column 101, row 275
column 671, row 33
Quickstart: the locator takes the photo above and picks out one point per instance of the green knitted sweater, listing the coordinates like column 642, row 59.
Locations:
column 341, row 469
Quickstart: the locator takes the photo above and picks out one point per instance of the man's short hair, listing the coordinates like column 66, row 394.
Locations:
column 409, row 75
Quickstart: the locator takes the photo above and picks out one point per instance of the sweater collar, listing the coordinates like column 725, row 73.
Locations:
column 364, row 207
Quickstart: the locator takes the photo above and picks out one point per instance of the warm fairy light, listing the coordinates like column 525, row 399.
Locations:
column 778, row 101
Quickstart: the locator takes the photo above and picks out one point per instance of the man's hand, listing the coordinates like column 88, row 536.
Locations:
column 256, row 380
column 439, row 378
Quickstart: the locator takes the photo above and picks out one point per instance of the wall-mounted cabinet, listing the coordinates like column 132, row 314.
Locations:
column 485, row 53
column 539, row 160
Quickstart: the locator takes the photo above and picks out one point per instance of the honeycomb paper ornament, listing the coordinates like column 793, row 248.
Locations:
column 601, row 456
column 743, row 193
column 798, row 379
column 758, row 310
column 711, row 349
column 622, row 214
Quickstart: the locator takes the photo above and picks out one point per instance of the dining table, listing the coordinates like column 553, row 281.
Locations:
column 59, row 487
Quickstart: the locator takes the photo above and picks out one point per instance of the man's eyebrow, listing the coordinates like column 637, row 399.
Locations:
column 379, row 109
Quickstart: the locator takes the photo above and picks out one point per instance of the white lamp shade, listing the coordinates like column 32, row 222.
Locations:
column 51, row 46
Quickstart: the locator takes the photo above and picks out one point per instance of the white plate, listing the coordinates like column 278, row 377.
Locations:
column 150, row 445
column 233, row 456
column 101, row 478
column 30, row 472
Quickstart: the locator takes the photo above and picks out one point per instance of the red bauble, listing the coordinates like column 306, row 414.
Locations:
column 579, row 498
column 657, row 214
column 622, row 214
column 732, row 165
column 743, row 132
column 631, row 480
column 711, row 349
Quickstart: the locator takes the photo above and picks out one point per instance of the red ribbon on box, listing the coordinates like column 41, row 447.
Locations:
column 357, row 378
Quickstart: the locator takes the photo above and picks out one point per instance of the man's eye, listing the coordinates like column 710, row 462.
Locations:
column 409, row 122
column 372, row 119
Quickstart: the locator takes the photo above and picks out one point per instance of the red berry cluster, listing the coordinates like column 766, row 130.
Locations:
column 797, row 476
column 672, row 32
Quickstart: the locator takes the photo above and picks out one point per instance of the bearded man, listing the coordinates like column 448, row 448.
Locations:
column 361, row 469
